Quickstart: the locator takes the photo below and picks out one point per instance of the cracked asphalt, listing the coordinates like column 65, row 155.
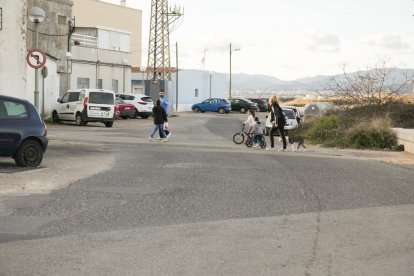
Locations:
column 109, row 202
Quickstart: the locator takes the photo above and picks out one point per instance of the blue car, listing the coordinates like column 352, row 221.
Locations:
column 214, row 104
column 23, row 134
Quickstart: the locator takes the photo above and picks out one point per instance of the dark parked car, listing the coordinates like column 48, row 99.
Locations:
column 22, row 132
column 214, row 104
column 242, row 105
column 261, row 104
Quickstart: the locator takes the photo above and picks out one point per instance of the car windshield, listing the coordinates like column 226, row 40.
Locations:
column 119, row 101
column 101, row 98
column 226, row 101
column 289, row 113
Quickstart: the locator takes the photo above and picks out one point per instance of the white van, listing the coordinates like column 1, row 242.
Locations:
column 86, row 105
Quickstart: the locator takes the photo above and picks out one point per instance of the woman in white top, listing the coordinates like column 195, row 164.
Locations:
column 250, row 121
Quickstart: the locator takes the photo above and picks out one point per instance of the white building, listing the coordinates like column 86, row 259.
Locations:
column 194, row 86
column 101, row 58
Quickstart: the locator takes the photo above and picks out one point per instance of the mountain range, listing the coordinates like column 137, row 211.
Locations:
column 245, row 82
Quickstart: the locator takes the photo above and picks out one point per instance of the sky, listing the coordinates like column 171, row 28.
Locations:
column 289, row 39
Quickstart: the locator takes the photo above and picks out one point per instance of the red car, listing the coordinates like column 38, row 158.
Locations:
column 124, row 110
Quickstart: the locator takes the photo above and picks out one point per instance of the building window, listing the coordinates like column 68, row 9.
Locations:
column 83, row 83
column 196, row 92
column 115, row 86
column 99, row 84
column 62, row 20
column 1, row 19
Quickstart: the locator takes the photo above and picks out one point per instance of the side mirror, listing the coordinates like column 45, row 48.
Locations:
column 59, row 100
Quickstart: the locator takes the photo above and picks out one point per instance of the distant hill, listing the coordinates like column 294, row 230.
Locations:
column 246, row 82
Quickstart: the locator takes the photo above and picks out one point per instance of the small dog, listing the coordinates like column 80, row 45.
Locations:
column 296, row 139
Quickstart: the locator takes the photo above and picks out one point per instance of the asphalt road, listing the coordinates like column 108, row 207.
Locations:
column 115, row 203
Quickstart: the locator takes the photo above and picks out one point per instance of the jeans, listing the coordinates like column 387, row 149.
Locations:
column 282, row 135
column 161, row 128
column 258, row 138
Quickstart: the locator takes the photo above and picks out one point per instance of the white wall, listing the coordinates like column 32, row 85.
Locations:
column 189, row 80
column 13, row 50
column 51, row 89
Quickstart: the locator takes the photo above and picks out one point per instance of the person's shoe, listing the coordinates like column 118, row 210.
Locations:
column 165, row 140
column 150, row 139
column 282, row 150
column 270, row 148
column 159, row 138
column 168, row 135
column 256, row 145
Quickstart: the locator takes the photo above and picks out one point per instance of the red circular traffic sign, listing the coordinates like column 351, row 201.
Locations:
column 36, row 58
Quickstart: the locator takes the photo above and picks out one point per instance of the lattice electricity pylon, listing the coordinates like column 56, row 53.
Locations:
column 163, row 21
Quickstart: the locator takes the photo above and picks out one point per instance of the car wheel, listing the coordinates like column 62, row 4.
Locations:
column 124, row 117
column 243, row 110
column 238, row 138
column 55, row 117
column 227, row 112
column 79, row 120
column 135, row 115
column 30, row 154
column 221, row 110
column 109, row 124
column 197, row 109
column 144, row 116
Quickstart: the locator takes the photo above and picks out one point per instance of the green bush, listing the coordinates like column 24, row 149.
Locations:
column 331, row 131
column 326, row 131
column 375, row 134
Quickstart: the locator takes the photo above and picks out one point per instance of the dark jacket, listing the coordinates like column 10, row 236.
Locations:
column 277, row 116
column 159, row 115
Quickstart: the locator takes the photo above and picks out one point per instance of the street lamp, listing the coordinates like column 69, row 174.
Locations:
column 210, row 75
column 36, row 16
column 143, row 70
column 68, row 58
column 124, row 63
column 231, row 50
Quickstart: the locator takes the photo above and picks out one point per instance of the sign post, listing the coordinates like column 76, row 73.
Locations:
column 36, row 59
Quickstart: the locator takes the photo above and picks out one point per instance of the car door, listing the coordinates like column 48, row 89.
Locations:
column 73, row 103
column 63, row 107
column 14, row 117
column 204, row 106
column 235, row 105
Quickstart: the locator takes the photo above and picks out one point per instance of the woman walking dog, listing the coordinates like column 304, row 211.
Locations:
column 278, row 123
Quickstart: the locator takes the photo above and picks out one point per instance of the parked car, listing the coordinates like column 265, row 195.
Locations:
column 214, row 104
column 295, row 109
column 291, row 122
column 143, row 104
column 23, row 134
column 261, row 104
column 124, row 110
column 243, row 105
column 86, row 105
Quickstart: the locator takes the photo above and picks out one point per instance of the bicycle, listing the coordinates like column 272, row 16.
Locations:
column 250, row 141
column 238, row 137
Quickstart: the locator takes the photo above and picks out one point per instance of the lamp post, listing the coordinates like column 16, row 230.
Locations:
column 68, row 58
column 210, row 75
column 230, row 52
column 143, row 70
column 36, row 16
column 124, row 63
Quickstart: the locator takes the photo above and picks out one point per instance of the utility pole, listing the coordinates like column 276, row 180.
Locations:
column 163, row 21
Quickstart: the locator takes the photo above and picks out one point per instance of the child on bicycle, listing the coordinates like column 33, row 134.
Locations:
column 250, row 121
column 258, row 132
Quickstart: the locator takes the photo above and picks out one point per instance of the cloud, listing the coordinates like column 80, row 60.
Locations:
column 319, row 41
column 387, row 41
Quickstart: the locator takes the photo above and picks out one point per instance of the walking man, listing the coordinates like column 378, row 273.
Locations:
column 166, row 104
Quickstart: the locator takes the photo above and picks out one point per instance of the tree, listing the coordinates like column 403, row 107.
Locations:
column 373, row 87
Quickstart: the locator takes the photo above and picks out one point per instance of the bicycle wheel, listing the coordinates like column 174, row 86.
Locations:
column 249, row 143
column 238, row 138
